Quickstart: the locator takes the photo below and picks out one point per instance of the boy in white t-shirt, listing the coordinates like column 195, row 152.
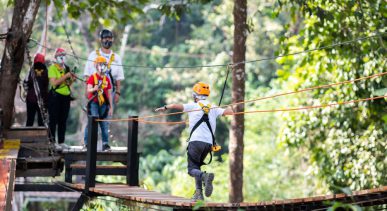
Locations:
column 202, row 125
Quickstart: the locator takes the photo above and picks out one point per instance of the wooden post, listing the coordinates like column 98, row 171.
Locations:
column 69, row 171
column 91, row 155
column 132, row 157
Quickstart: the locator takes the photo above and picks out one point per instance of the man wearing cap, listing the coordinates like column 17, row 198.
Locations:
column 115, row 70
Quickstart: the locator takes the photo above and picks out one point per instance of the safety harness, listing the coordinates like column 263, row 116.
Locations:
column 101, row 94
column 112, row 57
column 206, row 109
column 62, row 73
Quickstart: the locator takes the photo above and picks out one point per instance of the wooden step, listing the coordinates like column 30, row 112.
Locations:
column 33, row 140
column 82, row 166
column 27, row 134
column 73, row 154
column 79, row 169
column 39, row 166
column 47, row 172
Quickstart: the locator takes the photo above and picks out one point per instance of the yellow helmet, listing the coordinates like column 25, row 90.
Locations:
column 201, row 88
column 100, row 59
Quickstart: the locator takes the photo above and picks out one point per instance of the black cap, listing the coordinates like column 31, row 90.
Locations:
column 105, row 33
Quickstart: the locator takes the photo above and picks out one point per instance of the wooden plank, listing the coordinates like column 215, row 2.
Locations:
column 8, row 153
column 117, row 156
column 78, row 149
column 48, row 159
column 82, row 166
column 140, row 195
column 37, row 173
column 22, row 133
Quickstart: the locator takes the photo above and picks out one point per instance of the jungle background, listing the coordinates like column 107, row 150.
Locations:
column 287, row 154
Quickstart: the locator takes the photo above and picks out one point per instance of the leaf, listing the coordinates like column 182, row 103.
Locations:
column 10, row 3
column 380, row 92
column 198, row 205
column 83, row 5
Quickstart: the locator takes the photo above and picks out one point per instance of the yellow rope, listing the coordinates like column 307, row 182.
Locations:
column 257, row 99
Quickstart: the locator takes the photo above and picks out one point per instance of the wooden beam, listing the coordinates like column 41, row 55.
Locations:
column 132, row 156
column 91, row 153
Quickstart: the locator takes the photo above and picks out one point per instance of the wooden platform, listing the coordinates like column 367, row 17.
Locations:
column 37, row 157
column 75, row 154
column 136, row 194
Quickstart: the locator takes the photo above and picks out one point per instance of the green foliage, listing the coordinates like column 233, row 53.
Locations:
column 102, row 12
column 346, row 207
column 106, row 204
column 198, row 205
column 347, row 143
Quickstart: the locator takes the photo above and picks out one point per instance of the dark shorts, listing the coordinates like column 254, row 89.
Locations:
column 197, row 152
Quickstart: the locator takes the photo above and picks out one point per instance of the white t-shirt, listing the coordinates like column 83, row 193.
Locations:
column 116, row 66
column 202, row 133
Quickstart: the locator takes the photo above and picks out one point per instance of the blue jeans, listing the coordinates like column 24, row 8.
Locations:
column 98, row 111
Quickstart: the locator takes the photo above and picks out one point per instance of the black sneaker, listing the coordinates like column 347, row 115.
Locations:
column 207, row 179
column 84, row 148
column 198, row 195
column 106, row 147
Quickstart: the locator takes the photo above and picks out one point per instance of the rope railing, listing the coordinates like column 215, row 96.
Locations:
column 263, row 111
column 141, row 119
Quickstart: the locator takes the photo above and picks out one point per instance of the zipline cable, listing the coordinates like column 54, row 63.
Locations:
column 307, row 89
column 311, row 107
column 377, row 34
column 224, row 85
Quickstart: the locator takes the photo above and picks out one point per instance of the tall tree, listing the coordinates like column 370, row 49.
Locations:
column 238, row 94
column 24, row 14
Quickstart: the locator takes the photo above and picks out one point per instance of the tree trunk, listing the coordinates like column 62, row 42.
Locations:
column 124, row 40
column 43, row 38
column 238, row 94
column 22, row 21
column 83, row 24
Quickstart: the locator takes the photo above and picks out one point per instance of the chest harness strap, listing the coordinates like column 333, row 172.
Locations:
column 111, row 60
column 101, row 95
column 204, row 118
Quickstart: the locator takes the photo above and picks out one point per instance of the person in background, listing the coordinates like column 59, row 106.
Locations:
column 115, row 71
column 100, row 100
column 59, row 97
column 41, row 75
column 202, row 124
